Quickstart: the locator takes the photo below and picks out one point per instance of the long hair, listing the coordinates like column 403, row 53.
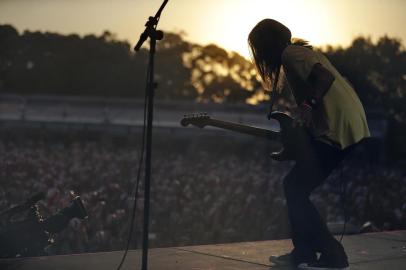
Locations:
column 266, row 41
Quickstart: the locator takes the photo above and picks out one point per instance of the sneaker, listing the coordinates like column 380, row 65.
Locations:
column 323, row 266
column 293, row 259
column 286, row 259
column 334, row 258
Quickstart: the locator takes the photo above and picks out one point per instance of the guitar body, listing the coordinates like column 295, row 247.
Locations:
column 295, row 140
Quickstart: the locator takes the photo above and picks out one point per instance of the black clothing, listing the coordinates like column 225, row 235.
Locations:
column 309, row 232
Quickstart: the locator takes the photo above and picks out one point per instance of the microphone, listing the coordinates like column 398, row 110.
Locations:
column 150, row 28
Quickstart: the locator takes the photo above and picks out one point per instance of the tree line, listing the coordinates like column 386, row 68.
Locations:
column 54, row 64
column 50, row 63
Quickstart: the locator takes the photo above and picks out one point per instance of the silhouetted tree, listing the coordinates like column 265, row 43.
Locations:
column 172, row 75
column 49, row 63
column 221, row 76
column 377, row 72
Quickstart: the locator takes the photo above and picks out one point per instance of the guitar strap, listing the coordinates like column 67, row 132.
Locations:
column 273, row 94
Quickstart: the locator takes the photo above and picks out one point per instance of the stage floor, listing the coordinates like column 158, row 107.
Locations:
column 385, row 250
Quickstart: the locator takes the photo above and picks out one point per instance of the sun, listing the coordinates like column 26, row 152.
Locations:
column 310, row 20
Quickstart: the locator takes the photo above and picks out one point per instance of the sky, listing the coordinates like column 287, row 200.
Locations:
column 223, row 22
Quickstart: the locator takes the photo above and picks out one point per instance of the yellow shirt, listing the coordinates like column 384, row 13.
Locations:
column 340, row 118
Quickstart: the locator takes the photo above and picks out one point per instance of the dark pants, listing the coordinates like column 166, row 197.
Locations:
column 309, row 232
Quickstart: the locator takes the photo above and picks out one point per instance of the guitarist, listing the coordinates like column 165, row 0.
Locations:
column 330, row 110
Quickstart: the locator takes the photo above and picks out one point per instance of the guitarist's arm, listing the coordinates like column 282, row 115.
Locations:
column 320, row 80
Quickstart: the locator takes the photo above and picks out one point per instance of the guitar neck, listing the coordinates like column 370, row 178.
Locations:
column 258, row 132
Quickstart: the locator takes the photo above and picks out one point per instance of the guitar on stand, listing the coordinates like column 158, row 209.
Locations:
column 294, row 139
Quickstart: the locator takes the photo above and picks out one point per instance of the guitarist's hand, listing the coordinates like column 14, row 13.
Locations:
column 302, row 115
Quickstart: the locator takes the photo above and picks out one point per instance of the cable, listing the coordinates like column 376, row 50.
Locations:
column 134, row 209
column 343, row 200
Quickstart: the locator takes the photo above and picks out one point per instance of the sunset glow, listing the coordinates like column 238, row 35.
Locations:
column 223, row 22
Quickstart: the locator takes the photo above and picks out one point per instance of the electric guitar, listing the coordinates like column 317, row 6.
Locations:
column 294, row 140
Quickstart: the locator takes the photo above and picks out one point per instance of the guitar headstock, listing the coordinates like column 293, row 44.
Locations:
column 197, row 119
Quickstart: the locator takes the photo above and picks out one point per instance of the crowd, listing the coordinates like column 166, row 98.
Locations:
column 205, row 189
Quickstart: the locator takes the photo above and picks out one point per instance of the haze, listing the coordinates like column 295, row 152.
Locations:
column 224, row 22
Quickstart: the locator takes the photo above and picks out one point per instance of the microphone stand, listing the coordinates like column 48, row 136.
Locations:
column 153, row 34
